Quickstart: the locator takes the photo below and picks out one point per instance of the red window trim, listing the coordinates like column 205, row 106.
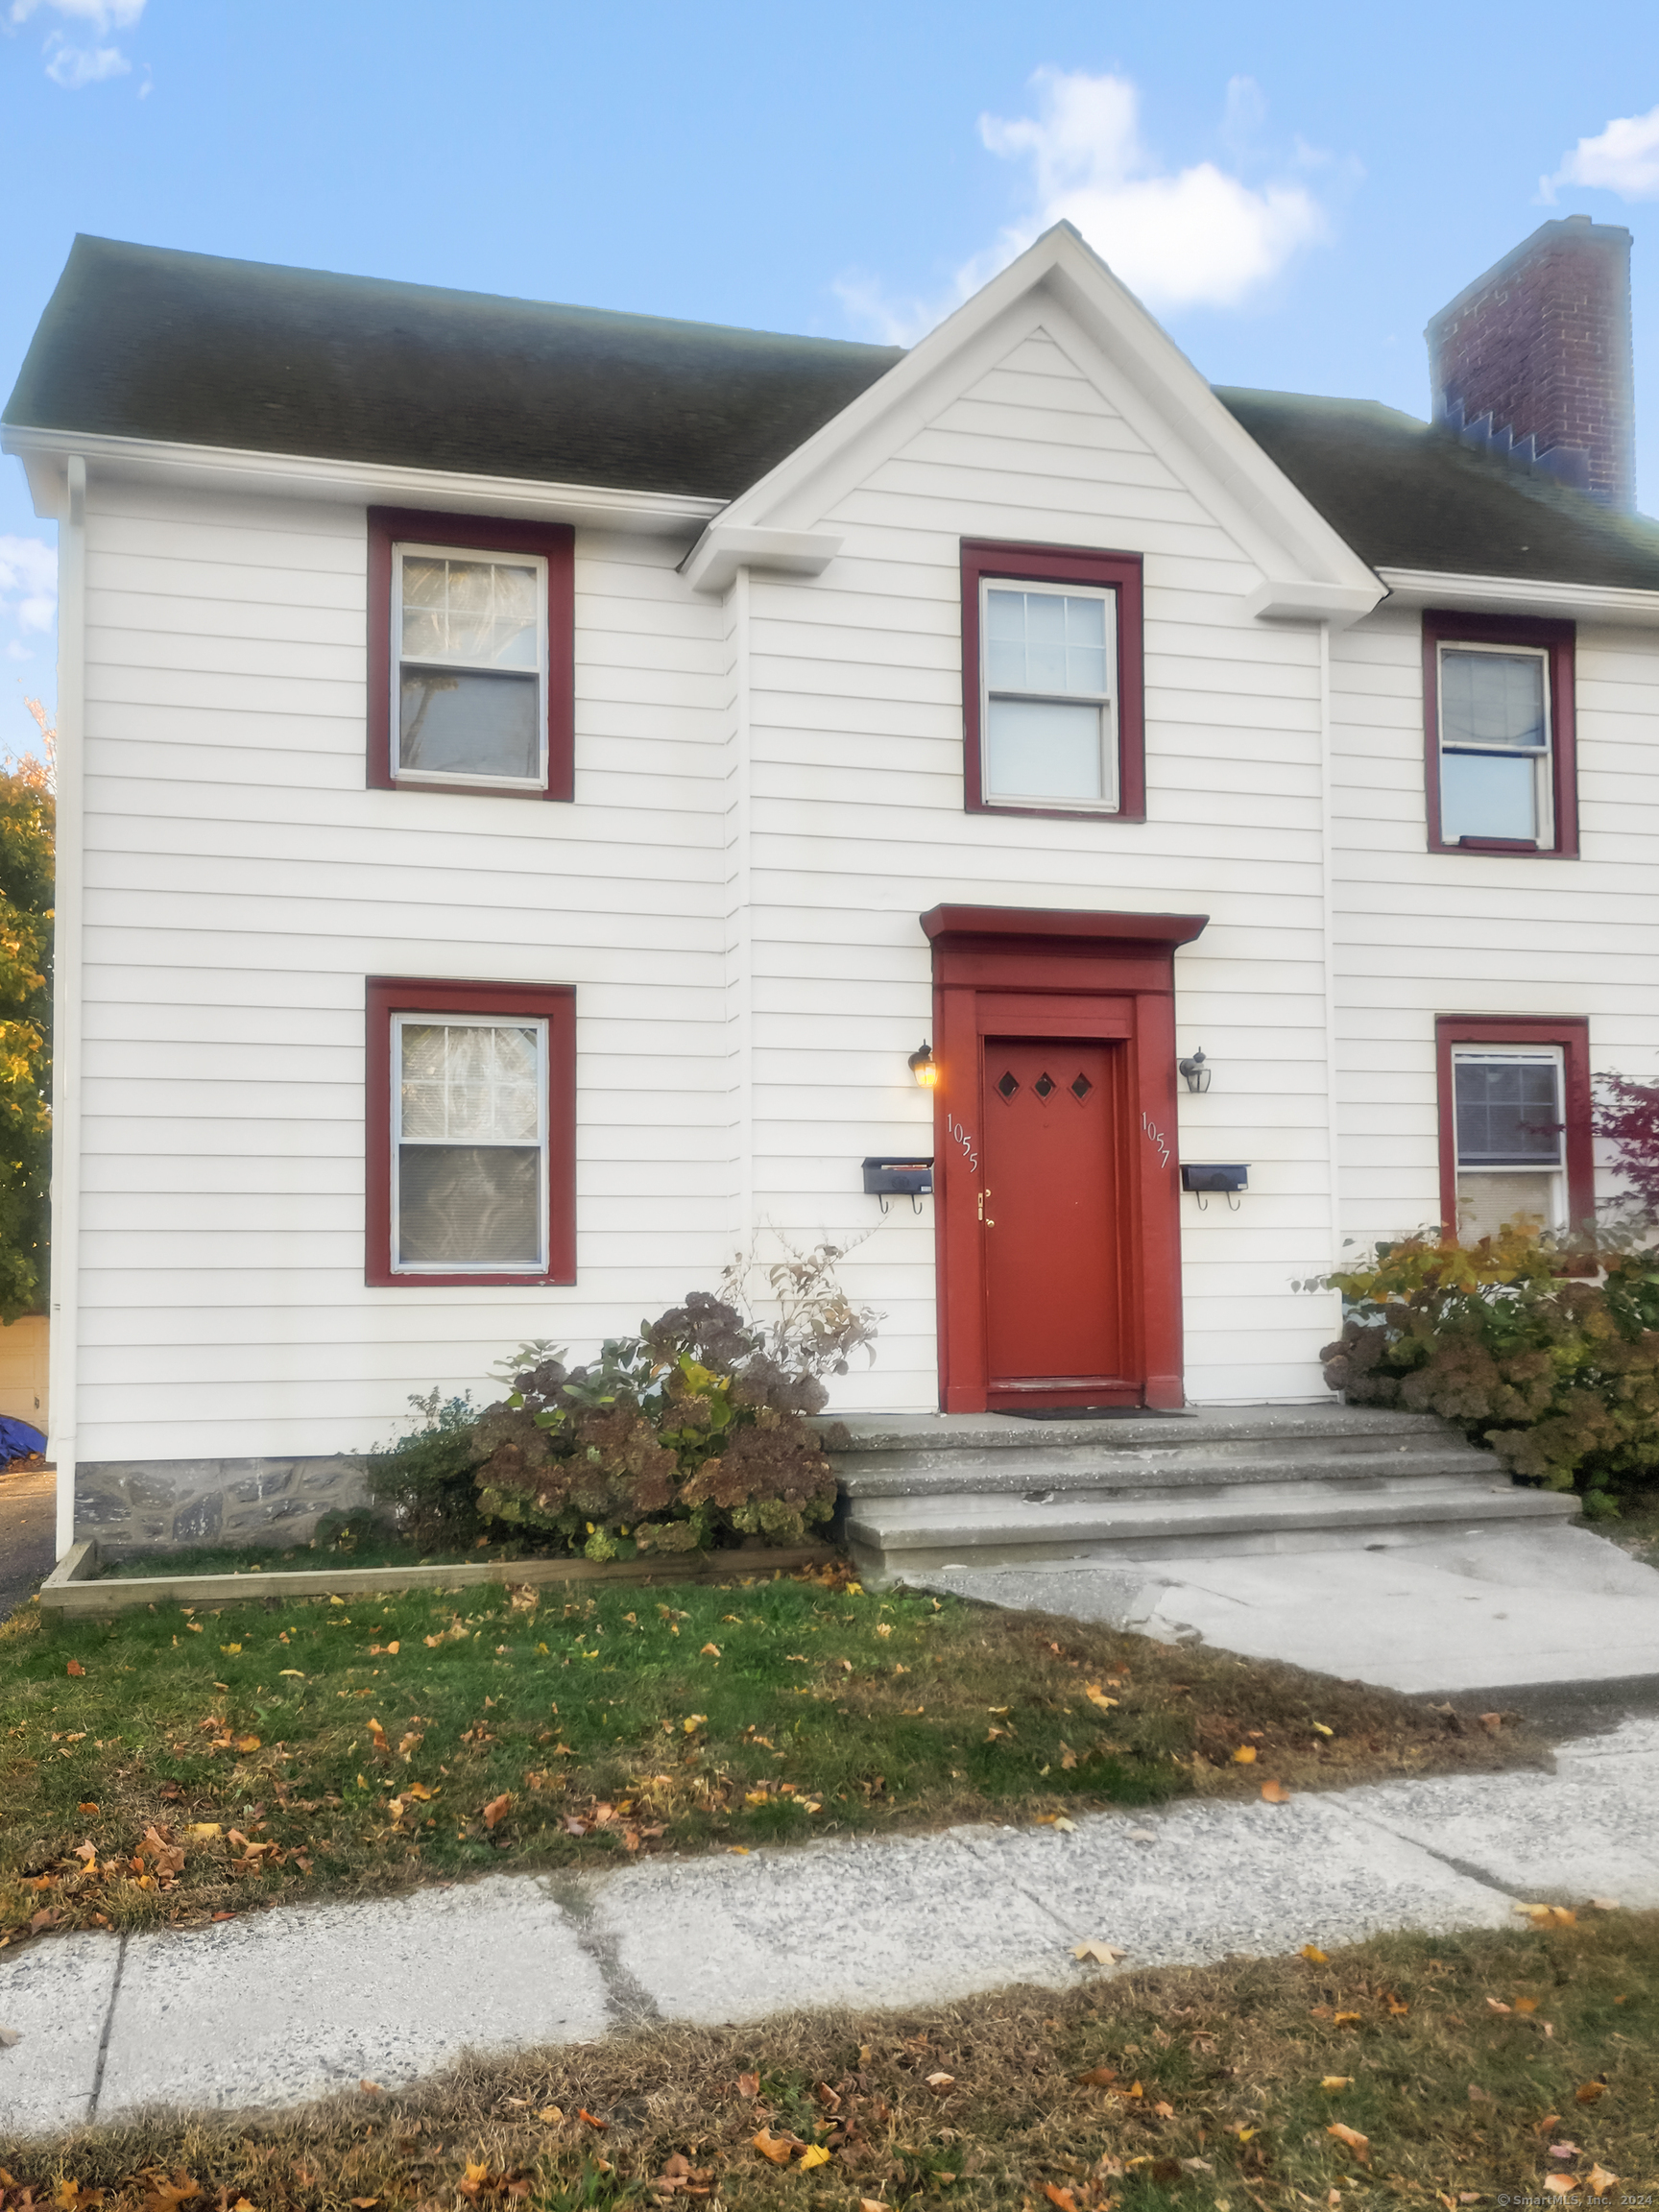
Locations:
column 552, row 1003
column 556, row 545
column 1443, row 626
column 1573, row 1035
column 1119, row 572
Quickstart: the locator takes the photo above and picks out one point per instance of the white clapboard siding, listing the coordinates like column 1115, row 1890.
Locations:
column 1420, row 934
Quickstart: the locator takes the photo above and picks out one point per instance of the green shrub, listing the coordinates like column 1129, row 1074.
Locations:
column 1545, row 1350
column 425, row 1481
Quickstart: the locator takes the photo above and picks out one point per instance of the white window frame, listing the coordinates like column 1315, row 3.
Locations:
column 467, row 778
column 1553, row 1055
column 1543, row 763
column 1110, row 731
column 529, row 1269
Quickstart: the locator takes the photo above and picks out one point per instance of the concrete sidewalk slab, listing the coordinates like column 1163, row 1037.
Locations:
column 909, row 1920
column 288, row 2005
column 56, row 1996
column 1253, row 1877
column 1457, row 1616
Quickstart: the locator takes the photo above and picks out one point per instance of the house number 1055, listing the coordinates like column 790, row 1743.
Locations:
column 962, row 1138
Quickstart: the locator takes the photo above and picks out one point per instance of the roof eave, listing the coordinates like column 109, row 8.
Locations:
column 44, row 454
column 1520, row 595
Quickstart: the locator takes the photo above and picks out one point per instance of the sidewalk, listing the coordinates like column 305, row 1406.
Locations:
column 290, row 2003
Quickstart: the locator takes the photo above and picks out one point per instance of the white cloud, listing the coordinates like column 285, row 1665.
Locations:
column 1622, row 158
column 73, row 65
column 1192, row 237
column 28, row 591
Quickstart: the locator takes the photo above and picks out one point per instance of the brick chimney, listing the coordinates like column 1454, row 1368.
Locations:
column 1534, row 358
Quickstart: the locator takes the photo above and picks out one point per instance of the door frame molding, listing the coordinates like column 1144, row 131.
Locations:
column 1055, row 958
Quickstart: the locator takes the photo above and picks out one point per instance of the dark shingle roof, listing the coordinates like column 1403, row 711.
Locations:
column 1406, row 495
column 140, row 342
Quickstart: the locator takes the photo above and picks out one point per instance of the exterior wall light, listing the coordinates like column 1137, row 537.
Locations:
column 924, row 1066
column 1195, row 1071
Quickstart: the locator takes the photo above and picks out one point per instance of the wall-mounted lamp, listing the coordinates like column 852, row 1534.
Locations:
column 1195, row 1071
column 924, row 1066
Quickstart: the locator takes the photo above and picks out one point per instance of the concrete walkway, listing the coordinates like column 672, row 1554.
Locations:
column 27, row 1527
column 290, row 2003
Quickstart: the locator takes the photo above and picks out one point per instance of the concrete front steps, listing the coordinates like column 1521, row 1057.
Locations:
column 926, row 1493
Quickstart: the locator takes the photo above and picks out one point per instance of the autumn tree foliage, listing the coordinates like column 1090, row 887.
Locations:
column 27, row 824
column 1626, row 1119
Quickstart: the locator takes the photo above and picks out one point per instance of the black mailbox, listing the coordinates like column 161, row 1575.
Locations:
column 1194, row 1177
column 902, row 1178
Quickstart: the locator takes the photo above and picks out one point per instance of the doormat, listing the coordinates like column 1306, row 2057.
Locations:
column 1097, row 1412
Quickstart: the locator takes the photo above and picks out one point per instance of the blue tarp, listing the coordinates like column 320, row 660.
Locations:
column 17, row 1439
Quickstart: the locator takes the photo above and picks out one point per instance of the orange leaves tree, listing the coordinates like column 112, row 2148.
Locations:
column 27, row 823
column 1545, row 1349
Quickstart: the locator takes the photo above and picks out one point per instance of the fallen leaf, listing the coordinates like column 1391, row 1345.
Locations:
column 1320, row 1729
column 247, row 1743
column 85, row 1808
column 370, row 2088
column 815, row 2155
column 1590, row 2090
column 748, row 2084
column 1598, row 2180
column 941, row 2080
column 74, row 1668
column 205, row 1830
column 779, row 2149
column 710, row 1651
column 1245, row 1755
column 1495, row 2006
column 1163, row 2111
column 1346, row 2019
column 1397, row 2010
column 1063, row 2197
column 1526, row 2003
column 498, row 1809
column 1275, row 1793
column 1315, row 1956
column 872, row 2204
column 1352, row 2139
column 1098, row 2077
column 693, row 1721
column 1338, row 2081
column 1563, row 2150
column 230, row 1649
column 593, row 2118
column 1491, row 1722
column 549, row 2115
column 1102, row 1954
column 1097, row 1697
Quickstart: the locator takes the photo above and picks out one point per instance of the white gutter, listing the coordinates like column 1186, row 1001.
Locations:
column 235, row 468
column 1520, row 595
column 66, row 1053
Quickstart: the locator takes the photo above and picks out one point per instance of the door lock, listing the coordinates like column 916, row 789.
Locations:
column 983, row 1215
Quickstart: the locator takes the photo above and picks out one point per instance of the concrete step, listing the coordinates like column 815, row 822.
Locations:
column 1229, row 1431
column 886, row 1535
column 1069, row 1468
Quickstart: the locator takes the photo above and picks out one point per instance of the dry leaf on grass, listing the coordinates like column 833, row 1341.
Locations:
column 1590, row 2091
column 1102, row 1954
column 1098, row 2077
column 1526, row 2003
column 1495, row 2006
column 814, row 2155
column 1245, row 1755
column 1063, row 2197
column 498, row 1809
column 748, row 2084
column 74, row 1668
column 1275, row 1793
column 941, row 2080
column 1598, row 2180
column 1097, row 1697
column 1352, row 2140
column 1338, row 2081
column 1315, row 1956
column 779, row 2149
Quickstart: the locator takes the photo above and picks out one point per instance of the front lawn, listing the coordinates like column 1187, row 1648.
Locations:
column 1412, row 2071
column 172, row 1765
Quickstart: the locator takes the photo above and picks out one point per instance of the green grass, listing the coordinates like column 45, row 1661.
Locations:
column 1208, row 2093
column 280, row 1749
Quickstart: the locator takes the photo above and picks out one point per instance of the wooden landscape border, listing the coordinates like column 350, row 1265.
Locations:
column 73, row 1591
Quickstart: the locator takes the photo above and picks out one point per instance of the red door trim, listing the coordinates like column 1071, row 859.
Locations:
column 1052, row 963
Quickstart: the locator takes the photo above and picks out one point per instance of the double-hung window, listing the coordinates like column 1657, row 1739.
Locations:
column 471, row 1139
column 1514, row 1124
column 1052, row 681
column 1498, row 715
column 470, row 655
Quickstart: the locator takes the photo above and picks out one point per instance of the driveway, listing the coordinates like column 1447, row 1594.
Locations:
column 27, row 1532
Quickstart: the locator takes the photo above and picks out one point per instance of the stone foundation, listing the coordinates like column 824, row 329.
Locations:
column 134, row 1506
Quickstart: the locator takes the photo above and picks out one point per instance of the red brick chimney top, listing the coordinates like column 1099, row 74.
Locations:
column 1535, row 357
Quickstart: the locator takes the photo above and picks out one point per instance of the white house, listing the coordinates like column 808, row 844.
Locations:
column 531, row 780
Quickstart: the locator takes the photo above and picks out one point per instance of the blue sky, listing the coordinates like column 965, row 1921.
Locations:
column 1293, row 193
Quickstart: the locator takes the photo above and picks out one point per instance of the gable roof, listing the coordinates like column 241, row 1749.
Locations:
column 1405, row 494
column 149, row 343
column 187, row 348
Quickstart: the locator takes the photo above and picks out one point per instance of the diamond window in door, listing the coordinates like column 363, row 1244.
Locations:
column 1081, row 1087
column 1044, row 1086
column 1008, row 1083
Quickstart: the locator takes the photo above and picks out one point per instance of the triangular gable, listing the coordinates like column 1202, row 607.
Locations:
column 1058, row 287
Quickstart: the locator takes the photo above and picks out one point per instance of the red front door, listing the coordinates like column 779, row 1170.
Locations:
column 1054, row 1219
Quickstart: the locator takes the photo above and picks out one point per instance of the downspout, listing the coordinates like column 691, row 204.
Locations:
column 741, row 927
column 1327, row 892
column 66, row 994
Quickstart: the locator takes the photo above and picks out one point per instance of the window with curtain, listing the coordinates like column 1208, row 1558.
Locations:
column 469, row 1145
column 470, row 646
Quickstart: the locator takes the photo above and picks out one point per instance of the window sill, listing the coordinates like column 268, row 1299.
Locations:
column 389, row 1278
column 470, row 790
column 1052, row 813
column 1522, row 847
